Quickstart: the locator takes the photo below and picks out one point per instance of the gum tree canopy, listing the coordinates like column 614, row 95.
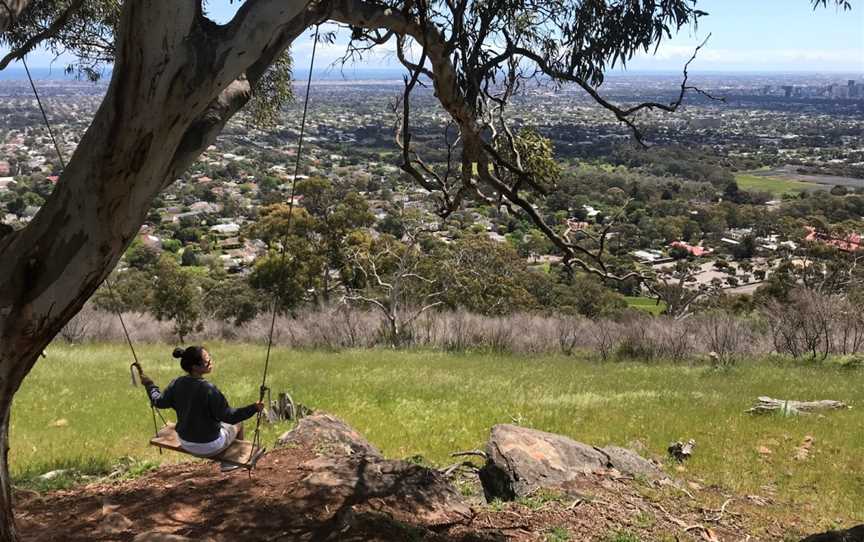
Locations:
column 178, row 77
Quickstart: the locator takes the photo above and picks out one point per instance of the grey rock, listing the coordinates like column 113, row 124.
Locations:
column 50, row 475
column 629, row 462
column 521, row 460
column 329, row 435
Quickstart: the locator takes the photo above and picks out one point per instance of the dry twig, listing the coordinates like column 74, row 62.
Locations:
column 478, row 453
column 720, row 513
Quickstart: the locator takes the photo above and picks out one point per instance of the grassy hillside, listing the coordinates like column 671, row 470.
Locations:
column 77, row 407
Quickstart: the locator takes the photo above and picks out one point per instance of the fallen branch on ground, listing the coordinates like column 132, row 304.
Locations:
column 719, row 513
column 478, row 453
column 467, row 465
column 788, row 407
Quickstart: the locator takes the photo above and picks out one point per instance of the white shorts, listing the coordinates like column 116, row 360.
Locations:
column 227, row 435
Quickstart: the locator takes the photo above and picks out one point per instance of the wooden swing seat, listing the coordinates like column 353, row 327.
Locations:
column 240, row 453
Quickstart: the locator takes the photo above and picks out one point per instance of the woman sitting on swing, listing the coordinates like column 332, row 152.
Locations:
column 206, row 424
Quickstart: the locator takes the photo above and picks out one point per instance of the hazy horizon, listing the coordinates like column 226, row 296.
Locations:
column 57, row 73
column 768, row 37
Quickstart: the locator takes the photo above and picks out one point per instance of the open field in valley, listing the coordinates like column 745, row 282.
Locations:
column 77, row 408
column 776, row 186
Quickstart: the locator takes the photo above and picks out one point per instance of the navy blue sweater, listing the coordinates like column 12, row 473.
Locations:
column 200, row 408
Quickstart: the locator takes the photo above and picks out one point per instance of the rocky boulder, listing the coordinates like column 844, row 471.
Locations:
column 521, row 460
column 630, row 463
column 328, row 434
column 350, row 471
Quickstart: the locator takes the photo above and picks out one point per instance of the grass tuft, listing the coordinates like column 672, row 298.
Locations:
column 61, row 473
column 557, row 534
column 622, row 536
column 538, row 499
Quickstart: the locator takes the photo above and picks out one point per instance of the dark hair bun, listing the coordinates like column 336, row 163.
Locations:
column 178, row 353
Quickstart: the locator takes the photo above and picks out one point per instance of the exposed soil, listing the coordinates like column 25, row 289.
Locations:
column 278, row 502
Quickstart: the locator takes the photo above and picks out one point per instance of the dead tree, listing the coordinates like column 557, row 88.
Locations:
column 395, row 283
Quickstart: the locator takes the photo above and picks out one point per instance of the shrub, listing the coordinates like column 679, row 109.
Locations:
column 816, row 324
column 76, row 329
column 724, row 335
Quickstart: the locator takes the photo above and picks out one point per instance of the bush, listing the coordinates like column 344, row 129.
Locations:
column 76, row 329
column 815, row 324
column 726, row 337
column 647, row 339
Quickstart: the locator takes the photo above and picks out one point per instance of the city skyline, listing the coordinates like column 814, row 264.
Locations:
column 772, row 36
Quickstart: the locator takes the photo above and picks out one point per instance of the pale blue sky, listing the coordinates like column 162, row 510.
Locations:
column 747, row 35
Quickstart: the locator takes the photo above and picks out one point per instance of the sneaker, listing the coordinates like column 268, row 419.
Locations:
column 228, row 467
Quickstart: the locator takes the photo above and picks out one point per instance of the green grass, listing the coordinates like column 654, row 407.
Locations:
column 429, row 404
column 646, row 304
column 65, row 473
column 544, row 267
column 622, row 536
column 557, row 534
column 539, row 499
column 773, row 185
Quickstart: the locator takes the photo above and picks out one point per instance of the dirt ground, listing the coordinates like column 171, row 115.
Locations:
column 302, row 493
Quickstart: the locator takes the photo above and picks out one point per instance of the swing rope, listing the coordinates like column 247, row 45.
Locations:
column 256, row 440
column 136, row 365
column 44, row 116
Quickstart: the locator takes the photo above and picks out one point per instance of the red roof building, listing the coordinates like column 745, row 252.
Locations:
column 850, row 243
column 693, row 250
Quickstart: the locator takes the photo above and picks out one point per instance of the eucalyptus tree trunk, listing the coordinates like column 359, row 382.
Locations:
column 176, row 81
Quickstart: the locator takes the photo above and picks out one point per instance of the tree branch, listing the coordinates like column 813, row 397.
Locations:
column 622, row 114
column 45, row 34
